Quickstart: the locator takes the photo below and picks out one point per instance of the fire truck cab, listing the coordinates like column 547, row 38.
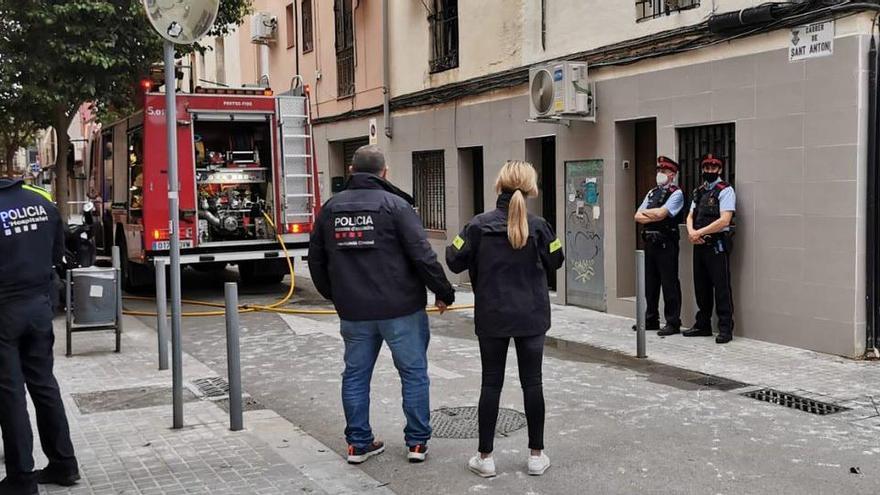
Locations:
column 241, row 152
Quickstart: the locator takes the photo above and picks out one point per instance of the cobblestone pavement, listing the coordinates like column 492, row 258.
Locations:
column 614, row 425
column 120, row 417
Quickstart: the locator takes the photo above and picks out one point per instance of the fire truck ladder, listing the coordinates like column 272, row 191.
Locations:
column 295, row 136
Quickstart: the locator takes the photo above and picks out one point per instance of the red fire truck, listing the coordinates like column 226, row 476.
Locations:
column 241, row 152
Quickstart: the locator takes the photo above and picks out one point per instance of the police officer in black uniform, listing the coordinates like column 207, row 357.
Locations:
column 709, row 230
column 31, row 241
column 659, row 214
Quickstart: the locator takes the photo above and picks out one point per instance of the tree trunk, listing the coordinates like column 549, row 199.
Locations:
column 61, row 122
column 10, row 158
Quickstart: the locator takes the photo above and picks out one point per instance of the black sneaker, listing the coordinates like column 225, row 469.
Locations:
column 18, row 487
column 52, row 475
column 723, row 338
column 357, row 455
column 697, row 332
column 417, row 453
column 668, row 330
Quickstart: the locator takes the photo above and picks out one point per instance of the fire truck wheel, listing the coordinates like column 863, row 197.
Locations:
column 263, row 272
column 135, row 277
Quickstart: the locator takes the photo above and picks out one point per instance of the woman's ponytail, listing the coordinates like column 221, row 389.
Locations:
column 519, row 179
column 518, row 221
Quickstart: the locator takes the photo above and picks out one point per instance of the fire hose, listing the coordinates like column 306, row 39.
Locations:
column 275, row 307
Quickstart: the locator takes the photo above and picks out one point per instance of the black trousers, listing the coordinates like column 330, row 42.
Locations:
column 26, row 360
column 712, row 286
column 529, row 355
column 661, row 271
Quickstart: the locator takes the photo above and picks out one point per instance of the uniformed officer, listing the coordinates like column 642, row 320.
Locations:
column 659, row 214
column 31, row 241
column 369, row 254
column 709, row 223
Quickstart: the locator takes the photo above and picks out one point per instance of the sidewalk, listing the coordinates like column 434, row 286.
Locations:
column 119, row 409
column 845, row 382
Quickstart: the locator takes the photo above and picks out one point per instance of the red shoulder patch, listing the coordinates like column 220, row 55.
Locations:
column 673, row 188
column 722, row 185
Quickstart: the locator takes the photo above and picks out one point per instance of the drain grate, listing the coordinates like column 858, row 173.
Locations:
column 126, row 399
column 212, row 388
column 795, row 401
column 462, row 422
column 715, row 382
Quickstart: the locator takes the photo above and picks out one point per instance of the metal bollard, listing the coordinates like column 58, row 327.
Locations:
column 641, row 304
column 233, row 357
column 161, row 314
column 117, row 266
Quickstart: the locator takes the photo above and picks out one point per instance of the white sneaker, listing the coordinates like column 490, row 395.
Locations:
column 482, row 467
column 538, row 464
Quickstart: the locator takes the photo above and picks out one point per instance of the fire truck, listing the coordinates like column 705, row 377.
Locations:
column 242, row 152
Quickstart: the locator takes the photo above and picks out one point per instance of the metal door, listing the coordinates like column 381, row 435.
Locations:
column 584, row 234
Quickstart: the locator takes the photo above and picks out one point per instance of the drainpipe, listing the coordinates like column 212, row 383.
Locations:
column 386, row 71
column 264, row 64
column 872, row 276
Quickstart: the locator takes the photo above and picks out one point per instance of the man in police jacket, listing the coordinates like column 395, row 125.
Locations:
column 370, row 255
column 31, row 241
column 709, row 224
column 658, row 214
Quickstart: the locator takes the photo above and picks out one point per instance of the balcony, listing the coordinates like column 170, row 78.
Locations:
column 652, row 9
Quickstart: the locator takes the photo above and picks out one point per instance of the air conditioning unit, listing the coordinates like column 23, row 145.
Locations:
column 561, row 90
column 264, row 28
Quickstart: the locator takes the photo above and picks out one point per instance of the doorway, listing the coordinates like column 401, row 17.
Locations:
column 541, row 152
column 645, row 159
column 471, row 183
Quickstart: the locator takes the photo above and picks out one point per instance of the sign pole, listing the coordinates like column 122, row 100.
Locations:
column 174, row 214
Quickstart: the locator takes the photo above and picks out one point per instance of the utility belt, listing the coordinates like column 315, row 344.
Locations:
column 660, row 237
column 720, row 242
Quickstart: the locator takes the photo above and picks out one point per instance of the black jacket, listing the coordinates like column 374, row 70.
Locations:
column 510, row 285
column 369, row 253
column 31, row 240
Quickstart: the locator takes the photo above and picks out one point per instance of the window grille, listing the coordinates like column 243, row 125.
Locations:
column 429, row 188
column 694, row 143
column 651, row 9
column 344, row 48
column 444, row 35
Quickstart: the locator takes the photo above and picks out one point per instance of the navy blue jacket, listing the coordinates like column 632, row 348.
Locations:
column 369, row 253
column 31, row 240
column 510, row 285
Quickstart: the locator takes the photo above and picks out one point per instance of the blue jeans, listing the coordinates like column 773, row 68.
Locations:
column 407, row 337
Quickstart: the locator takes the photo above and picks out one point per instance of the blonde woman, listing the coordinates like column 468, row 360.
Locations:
column 508, row 254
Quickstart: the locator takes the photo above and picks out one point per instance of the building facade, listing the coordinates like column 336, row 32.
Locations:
column 667, row 81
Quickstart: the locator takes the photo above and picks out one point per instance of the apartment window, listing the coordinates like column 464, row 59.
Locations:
column 344, row 48
column 651, row 9
column 429, row 188
column 291, row 26
column 220, row 60
column 444, row 35
column 308, row 43
column 695, row 142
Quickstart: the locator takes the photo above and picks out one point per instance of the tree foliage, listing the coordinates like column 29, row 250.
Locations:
column 64, row 53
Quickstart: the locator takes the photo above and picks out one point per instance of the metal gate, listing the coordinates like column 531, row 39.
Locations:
column 584, row 234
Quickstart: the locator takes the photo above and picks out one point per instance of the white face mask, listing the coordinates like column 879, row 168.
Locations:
column 662, row 179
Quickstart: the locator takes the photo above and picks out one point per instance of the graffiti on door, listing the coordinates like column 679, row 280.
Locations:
column 584, row 234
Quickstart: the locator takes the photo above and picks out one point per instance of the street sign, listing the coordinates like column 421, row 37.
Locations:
column 35, row 168
column 182, row 22
column 374, row 132
column 811, row 41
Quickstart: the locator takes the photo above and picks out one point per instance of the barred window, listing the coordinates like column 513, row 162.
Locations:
column 444, row 35
column 429, row 188
column 344, row 48
column 651, row 9
column 695, row 142
column 308, row 43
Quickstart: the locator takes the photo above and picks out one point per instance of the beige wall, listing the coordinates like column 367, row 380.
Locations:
column 495, row 35
column 317, row 67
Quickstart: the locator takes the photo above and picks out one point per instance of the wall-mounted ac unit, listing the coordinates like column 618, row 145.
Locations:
column 264, row 28
column 561, row 91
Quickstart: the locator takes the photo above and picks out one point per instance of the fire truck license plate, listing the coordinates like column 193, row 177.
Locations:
column 166, row 245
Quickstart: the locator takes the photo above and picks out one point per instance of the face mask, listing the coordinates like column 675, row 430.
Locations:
column 710, row 177
column 662, row 179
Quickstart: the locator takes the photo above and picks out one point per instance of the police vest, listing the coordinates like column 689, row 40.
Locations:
column 708, row 204
column 669, row 225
